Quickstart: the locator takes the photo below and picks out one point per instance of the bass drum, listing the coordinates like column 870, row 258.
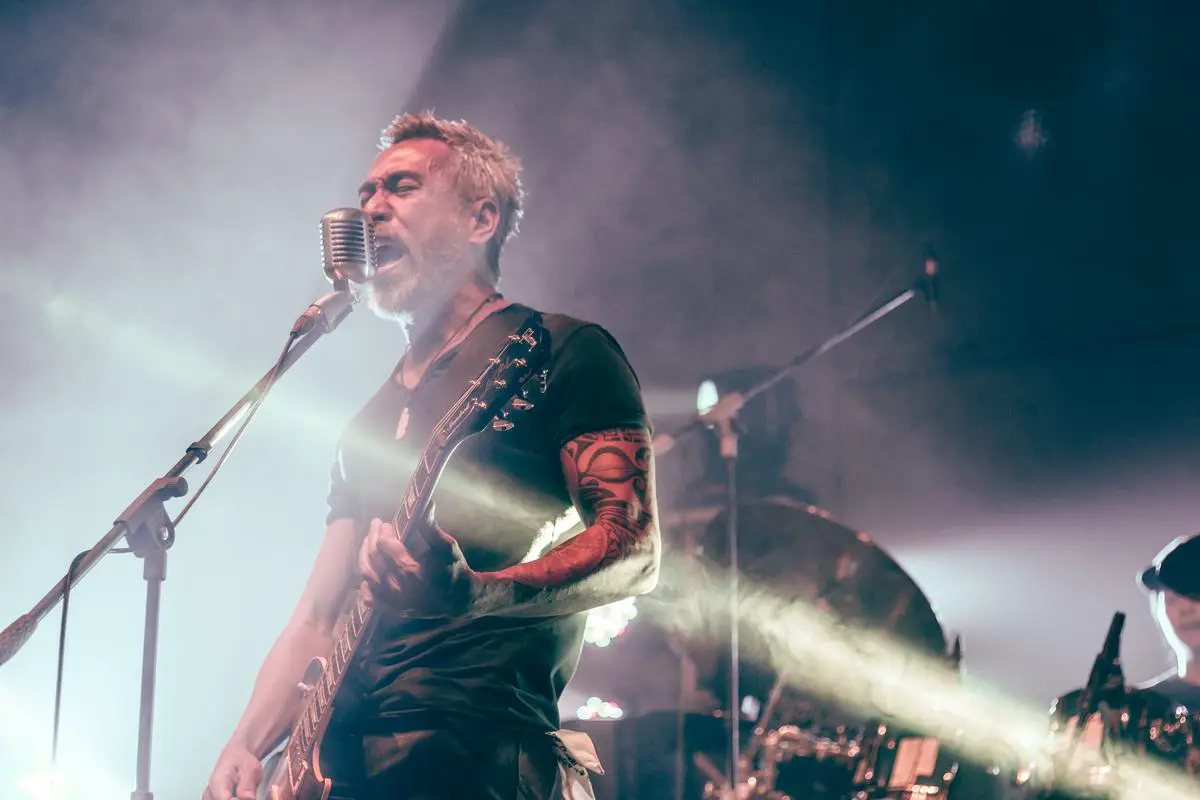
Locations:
column 901, row 765
column 1126, row 749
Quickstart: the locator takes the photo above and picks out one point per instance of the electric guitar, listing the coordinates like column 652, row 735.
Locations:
column 503, row 387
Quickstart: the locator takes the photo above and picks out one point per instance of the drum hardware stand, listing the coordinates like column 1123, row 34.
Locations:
column 687, row 683
column 150, row 532
column 722, row 419
column 761, row 731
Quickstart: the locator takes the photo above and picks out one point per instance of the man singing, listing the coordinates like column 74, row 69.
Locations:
column 455, row 694
column 1173, row 583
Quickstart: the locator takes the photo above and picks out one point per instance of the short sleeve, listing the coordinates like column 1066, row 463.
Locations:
column 342, row 501
column 590, row 386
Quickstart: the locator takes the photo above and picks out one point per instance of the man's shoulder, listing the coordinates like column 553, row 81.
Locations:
column 564, row 325
column 567, row 331
column 591, row 385
column 1170, row 678
column 1174, row 688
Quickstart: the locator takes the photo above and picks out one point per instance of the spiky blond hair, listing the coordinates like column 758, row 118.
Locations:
column 480, row 166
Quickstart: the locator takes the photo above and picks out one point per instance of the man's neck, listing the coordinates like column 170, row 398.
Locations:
column 427, row 338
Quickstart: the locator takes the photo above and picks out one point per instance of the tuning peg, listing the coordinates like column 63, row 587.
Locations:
column 537, row 382
column 502, row 425
column 521, row 404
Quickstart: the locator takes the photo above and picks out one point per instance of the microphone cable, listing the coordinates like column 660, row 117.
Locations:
column 165, row 543
column 287, row 347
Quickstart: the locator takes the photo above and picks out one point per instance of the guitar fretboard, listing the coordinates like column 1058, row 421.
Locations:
column 357, row 623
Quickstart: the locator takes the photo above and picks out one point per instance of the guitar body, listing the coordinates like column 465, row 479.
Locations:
column 307, row 784
column 501, row 389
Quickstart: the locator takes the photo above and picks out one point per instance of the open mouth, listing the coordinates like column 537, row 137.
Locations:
column 388, row 252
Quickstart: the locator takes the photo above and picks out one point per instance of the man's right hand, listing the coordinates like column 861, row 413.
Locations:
column 237, row 775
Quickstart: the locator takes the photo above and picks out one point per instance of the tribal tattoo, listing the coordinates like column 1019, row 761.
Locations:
column 611, row 478
column 611, row 472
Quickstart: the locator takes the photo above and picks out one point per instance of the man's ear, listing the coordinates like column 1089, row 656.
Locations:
column 484, row 220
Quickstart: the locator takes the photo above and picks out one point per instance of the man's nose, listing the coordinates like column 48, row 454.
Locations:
column 376, row 209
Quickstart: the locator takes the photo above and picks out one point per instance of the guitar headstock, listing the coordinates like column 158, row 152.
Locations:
column 521, row 401
column 510, row 383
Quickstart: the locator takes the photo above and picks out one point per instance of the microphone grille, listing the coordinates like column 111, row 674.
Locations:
column 348, row 245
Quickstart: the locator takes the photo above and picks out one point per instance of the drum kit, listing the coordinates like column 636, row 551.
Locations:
column 794, row 745
column 793, row 739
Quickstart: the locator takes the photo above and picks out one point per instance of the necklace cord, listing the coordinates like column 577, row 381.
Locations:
column 446, row 345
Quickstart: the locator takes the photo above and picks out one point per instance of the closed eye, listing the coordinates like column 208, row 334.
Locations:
column 401, row 183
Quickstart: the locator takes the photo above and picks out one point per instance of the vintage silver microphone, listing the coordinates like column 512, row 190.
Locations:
column 347, row 254
column 348, row 245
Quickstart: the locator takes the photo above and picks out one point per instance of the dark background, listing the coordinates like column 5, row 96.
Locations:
column 722, row 185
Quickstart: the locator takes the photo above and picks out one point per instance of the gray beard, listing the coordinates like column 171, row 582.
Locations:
column 408, row 298
column 391, row 297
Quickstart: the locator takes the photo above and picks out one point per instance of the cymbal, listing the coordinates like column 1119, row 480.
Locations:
column 801, row 552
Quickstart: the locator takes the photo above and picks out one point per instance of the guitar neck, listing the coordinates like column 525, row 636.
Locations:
column 357, row 624
column 319, row 699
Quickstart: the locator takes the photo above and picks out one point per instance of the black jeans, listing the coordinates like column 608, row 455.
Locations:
column 453, row 765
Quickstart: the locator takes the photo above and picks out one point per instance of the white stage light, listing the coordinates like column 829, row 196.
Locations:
column 608, row 622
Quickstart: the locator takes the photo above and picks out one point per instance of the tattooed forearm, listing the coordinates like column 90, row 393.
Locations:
column 611, row 478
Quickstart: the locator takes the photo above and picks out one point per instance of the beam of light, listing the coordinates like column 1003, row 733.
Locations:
column 1158, row 610
column 605, row 623
column 875, row 675
column 78, row 774
column 184, row 365
column 43, row 785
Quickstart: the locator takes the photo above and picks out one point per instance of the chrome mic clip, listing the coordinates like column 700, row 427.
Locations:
column 327, row 311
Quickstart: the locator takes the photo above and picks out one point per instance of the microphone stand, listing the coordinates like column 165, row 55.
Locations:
column 722, row 419
column 149, row 531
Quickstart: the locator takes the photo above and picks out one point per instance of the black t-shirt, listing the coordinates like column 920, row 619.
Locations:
column 498, row 491
column 1177, row 690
